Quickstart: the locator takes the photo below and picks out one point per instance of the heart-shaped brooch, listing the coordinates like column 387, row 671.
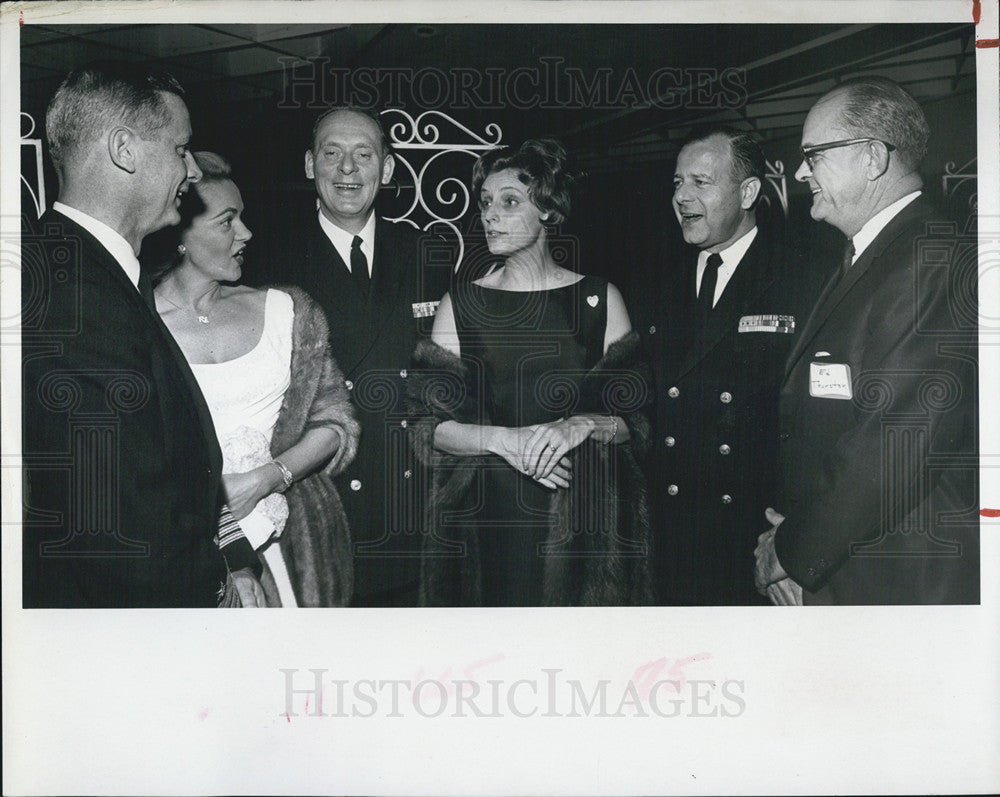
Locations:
column 592, row 301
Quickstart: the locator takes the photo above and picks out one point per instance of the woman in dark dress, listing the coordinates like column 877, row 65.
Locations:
column 529, row 404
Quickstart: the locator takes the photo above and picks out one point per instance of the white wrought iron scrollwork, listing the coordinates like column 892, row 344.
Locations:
column 426, row 135
column 37, row 196
column 954, row 178
column 775, row 175
column 421, row 147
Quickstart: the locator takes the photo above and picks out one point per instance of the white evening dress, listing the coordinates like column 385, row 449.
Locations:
column 245, row 396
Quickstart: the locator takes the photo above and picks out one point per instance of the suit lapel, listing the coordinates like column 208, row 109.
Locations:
column 809, row 328
column 190, row 388
column 752, row 277
column 837, row 289
column 100, row 257
column 331, row 277
column 361, row 319
column 387, row 282
column 175, row 381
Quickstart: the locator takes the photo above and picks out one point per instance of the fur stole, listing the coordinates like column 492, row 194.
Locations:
column 598, row 545
column 316, row 542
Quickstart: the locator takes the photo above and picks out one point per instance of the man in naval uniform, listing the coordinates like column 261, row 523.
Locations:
column 368, row 275
column 723, row 324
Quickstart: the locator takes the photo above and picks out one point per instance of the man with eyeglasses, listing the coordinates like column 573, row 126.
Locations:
column 878, row 454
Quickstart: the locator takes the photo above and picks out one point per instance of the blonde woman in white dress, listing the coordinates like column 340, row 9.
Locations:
column 278, row 401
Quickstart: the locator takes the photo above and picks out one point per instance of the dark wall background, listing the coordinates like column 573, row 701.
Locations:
column 622, row 225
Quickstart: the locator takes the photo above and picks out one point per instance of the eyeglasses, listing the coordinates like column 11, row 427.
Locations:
column 809, row 153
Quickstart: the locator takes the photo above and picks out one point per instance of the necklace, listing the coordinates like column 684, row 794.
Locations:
column 202, row 319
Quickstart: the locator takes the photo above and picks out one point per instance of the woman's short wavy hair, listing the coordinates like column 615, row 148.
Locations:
column 213, row 167
column 540, row 164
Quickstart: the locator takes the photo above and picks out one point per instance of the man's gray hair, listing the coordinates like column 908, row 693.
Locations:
column 96, row 97
column 368, row 113
column 877, row 107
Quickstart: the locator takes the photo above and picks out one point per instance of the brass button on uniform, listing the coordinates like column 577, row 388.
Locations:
column 355, row 484
column 724, row 449
column 652, row 330
column 727, row 499
column 348, row 384
column 672, row 489
column 673, row 392
column 726, row 397
column 670, row 442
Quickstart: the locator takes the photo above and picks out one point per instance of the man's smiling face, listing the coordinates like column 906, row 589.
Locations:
column 348, row 164
column 708, row 200
column 836, row 177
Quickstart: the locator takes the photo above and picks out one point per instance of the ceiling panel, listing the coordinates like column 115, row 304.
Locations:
column 242, row 69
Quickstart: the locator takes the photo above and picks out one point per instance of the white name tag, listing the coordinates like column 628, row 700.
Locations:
column 767, row 323
column 830, row 380
column 424, row 309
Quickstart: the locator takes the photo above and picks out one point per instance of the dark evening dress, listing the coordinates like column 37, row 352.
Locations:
column 528, row 353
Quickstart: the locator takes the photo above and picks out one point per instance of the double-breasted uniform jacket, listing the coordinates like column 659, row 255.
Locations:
column 372, row 339
column 714, row 457
column 122, row 467
column 879, row 490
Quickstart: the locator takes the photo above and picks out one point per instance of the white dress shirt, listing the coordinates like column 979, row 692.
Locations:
column 342, row 240
column 120, row 249
column 731, row 258
column 877, row 223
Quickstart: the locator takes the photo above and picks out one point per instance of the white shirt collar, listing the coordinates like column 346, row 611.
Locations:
column 731, row 257
column 118, row 247
column 342, row 240
column 877, row 223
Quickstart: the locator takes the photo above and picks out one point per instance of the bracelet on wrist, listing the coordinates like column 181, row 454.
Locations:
column 286, row 476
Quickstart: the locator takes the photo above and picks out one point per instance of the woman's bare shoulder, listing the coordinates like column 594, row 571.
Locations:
column 244, row 294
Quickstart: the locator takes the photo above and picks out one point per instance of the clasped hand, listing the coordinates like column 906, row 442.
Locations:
column 769, row 576
column 540, row 451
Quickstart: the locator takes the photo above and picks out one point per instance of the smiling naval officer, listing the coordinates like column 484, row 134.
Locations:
column 379, row 295
column 721, row 328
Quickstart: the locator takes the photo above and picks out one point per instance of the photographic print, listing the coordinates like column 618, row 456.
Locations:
column 540, row 356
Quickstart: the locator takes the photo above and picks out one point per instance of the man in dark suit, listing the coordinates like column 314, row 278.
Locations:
column 723, row 325
column 121, row 463
column 368, row 276
column 877, row 499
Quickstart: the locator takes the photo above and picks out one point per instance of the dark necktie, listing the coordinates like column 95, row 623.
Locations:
column 359, row 267
column 848, row 258
column 709, row 279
